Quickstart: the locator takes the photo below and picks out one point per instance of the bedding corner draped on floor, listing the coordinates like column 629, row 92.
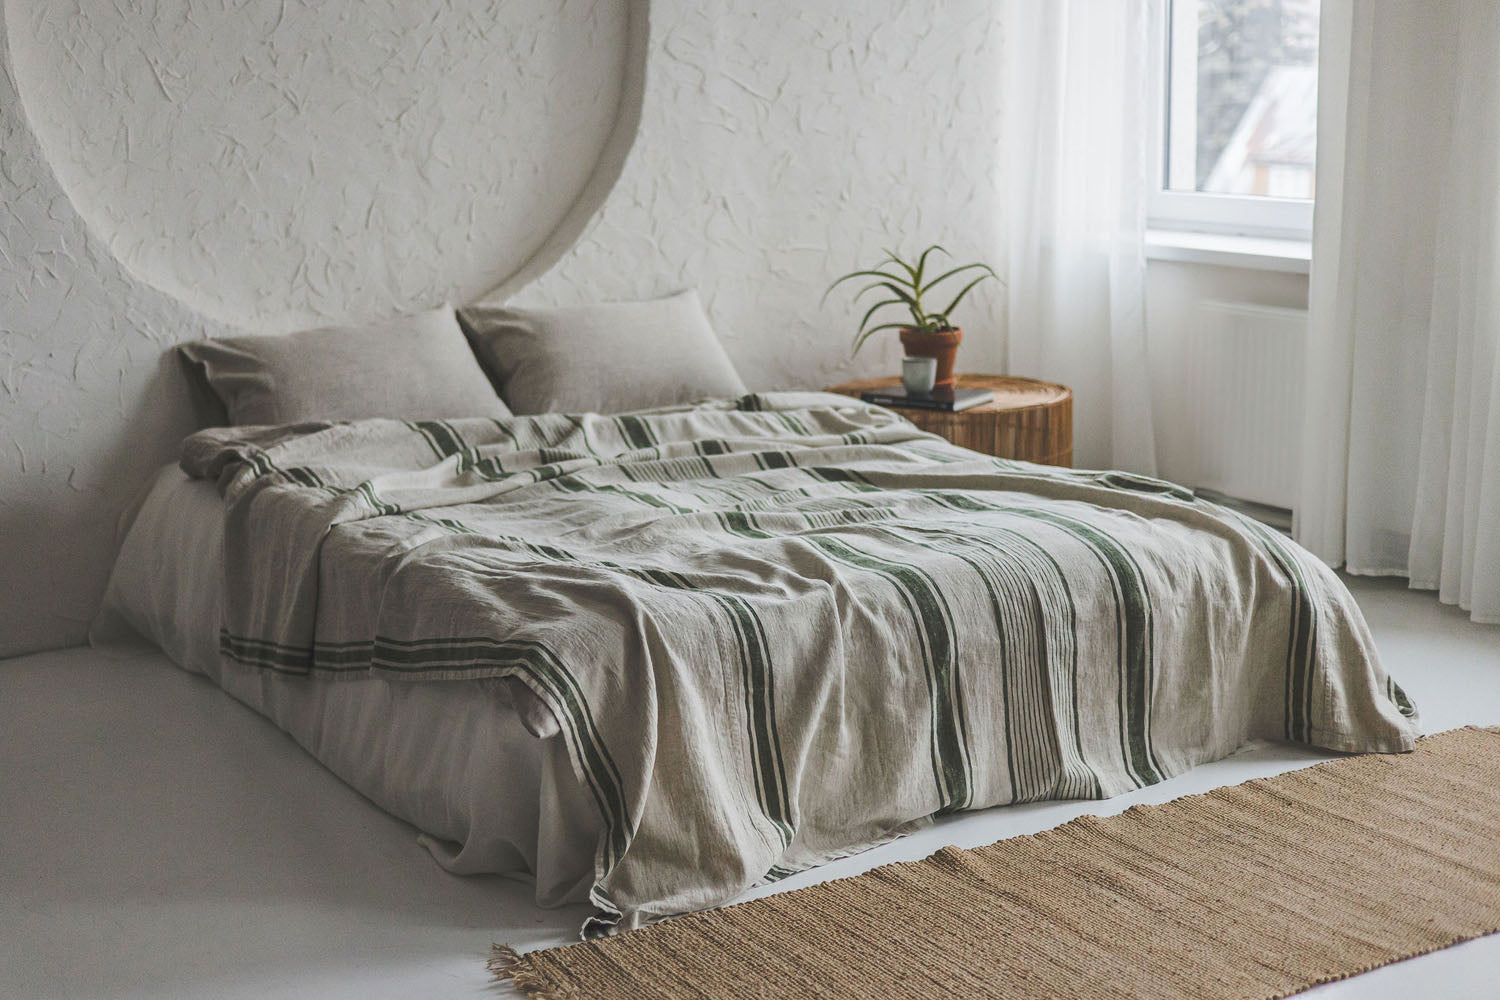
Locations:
column 778, row 629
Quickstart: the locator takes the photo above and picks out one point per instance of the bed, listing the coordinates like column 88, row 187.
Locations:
column 656, row 658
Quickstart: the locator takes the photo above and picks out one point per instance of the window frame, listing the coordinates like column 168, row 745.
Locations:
column 1260, row 216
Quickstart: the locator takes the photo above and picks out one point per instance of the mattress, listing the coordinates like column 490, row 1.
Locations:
column 454, row 759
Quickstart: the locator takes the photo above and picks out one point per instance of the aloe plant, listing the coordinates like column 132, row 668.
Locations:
column 906, row 284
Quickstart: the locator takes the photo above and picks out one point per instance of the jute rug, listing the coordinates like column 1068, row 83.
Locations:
column 1259, row 890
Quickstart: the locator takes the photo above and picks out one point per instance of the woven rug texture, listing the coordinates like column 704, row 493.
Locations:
column 1258, row 890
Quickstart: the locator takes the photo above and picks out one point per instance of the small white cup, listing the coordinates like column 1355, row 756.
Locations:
column 918, row 374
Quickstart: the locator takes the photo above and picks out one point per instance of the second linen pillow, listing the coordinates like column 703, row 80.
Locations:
column 603, row 358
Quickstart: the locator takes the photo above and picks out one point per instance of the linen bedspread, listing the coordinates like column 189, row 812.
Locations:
column 778, row 629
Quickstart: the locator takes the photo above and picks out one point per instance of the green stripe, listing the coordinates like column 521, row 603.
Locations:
column 1134, row 625
column 367, row 490
column 583, row 433
column 1403, row 703
column 635, row 431
column 738, row 522
column 507, row 427
column 929, row 613
column 285, row 662
column 760, row 706
column 1302, row 635
column 569, row 706
column 984, row 573
column 1135, row 643
column 303, row 476
column 443, row 439
column 1093, row 788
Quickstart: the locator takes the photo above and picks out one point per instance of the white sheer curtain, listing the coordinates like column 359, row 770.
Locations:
column 1077, row 160
column 1401, row 461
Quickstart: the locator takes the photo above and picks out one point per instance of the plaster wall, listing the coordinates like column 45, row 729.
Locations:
column 193, row 169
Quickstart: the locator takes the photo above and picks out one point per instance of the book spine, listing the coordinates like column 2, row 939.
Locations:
column 905, row 402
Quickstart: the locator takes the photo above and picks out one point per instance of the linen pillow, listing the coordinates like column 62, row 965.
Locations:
column 602, row 358
column 412, row 367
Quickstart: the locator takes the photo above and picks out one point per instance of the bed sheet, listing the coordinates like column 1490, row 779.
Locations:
column 453, row 759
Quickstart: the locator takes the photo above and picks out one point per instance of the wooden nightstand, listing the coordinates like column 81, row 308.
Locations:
column 1028, row 419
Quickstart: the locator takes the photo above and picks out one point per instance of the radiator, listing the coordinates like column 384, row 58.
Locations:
column 1243, row 372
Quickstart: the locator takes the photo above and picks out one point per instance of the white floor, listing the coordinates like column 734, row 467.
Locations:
column 158, row 839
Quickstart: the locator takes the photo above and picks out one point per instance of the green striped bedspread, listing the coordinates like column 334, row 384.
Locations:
column 779, row 629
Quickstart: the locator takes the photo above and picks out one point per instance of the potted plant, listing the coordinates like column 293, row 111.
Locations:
column 928, row 334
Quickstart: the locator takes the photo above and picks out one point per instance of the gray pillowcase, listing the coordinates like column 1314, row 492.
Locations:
column 410, row 368
column 602, row 358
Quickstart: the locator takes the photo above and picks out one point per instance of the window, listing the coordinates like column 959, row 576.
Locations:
column 1239, row 117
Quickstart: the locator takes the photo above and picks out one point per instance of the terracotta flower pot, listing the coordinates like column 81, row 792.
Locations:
column 941, row 344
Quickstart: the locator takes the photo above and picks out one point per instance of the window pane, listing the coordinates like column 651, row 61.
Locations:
column 1254, row 91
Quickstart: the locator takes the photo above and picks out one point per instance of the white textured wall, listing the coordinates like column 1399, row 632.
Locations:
column 782, row 144
column 363, row 159
column 273, row 164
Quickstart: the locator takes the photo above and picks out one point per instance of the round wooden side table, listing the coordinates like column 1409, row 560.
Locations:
column 1028, row 419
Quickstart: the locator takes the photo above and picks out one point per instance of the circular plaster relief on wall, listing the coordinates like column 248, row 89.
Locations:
column 279, row 164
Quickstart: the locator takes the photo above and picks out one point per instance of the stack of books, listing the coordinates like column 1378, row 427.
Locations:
column 950, row 400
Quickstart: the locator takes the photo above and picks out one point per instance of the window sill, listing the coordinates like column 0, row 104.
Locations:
column 1251, row 252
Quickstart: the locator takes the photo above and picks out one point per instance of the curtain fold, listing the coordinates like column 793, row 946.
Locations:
column 1401, row 460
column 1077, row 162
